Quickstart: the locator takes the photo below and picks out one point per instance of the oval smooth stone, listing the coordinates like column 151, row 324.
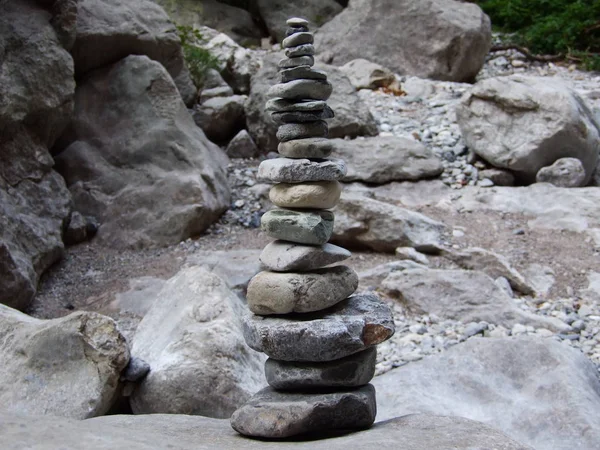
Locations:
column 283, row 256
column 282, row 105
column 306, row 148
column 302, row 89
column 291, row 131
column 286, row 292
column 296, row 22
column 316, row 194
column 300, row 50
column 288, row 63
column 304, row 227
column 298, row 39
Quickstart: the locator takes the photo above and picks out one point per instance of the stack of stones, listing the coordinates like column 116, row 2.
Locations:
column 319, row 337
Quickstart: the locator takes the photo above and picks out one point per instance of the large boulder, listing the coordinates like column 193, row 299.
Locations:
column 221, row 118
column 538, row 391
column 361, row 222
column 138, row 162
column 389, row 159
column 236, row 23
column 275, row 13
column 415, row 432
column 110, row 30
column 352, row 116
column 66, row 367
column 37, row 90
column 199, row 362
column 439, row 39
column 467, row 296
column 525, row 123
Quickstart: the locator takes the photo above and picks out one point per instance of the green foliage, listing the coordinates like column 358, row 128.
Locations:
column 197, row 58
column 568, row 27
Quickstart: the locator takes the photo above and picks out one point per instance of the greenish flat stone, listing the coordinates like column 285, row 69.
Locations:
column 303, row 227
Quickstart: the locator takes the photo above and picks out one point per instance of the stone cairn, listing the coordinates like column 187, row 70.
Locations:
column 320, row 338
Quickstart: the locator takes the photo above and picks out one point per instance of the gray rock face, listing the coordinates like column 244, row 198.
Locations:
column 35, row 106
column 390, row 159
column 302, row 89
column 468, row 296
column 276, row 12
column 361, row 222
column 351, row 326
column 282, row 256
column 352, row 116
column 272, row 414
column 565, row 172
column 306, row 148
column 168, row 169
column 110, row 30
column 352, row 371
column 65, row 367
column 310, row 194
column 151, row 431
column 284, row 293
column 286, row 170
column 365, row 74
column 509, row 382
column 192, row 341
column 438, row 39
column 306, row 227
column 553, row 122
column 242, row 146
column 221, row 118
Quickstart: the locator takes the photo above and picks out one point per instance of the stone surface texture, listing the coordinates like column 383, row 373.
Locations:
column 565, row 172
column 303, row 227
column 287, row 170
column 282, row 256
column 364, row 74
column 316, row 194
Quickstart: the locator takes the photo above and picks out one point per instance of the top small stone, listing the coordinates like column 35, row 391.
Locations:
column 297, row 22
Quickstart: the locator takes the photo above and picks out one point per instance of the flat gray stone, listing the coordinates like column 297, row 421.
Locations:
column 291, row 131
column 300, row 50
column 283, row 293
column 312, row 194
column 303, row 227
column 301, row 89
column 293, row 30
column 351, row 326
column 288, row 63
column 282, row 256
column 352, row 371
column 297, row 22
column 282, row 105
column 302, row 117
column 288, row 170
column 306, row 148
column 272, row 414
column 297, row 39
column 302, row 73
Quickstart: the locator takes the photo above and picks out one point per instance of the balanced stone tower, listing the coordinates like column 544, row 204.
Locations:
column 320, row 338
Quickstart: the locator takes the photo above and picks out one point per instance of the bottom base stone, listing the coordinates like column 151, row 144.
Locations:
column 275, row 415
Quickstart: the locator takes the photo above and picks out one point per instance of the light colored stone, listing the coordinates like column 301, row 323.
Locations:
column 275, row 415
column 525, row 123
column 314, row 194
column 390, row 159
column 565, row 172
column 221, row 118
column 499, row 177
column 282, row 256
column 287, row 170
column 307, row 227
column 242, row 146
column 193, row 343
column 411, row 254
column 284, row 293
column 364, row 74
column 67, row 367
column 511, row 383
column 351, row 326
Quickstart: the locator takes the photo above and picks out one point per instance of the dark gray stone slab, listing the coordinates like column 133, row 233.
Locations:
column 298, row 39
column 288, row 170
column 302, row 73
column 306, row 148
column 293, row 30
column 352, row 371
column 300, row 50
column 351, row 326
column 301, row 90
column 302, row 117
column 288, row 63
column 282, row 256
column 272, row 414
column 282, row 105
column 303, row 227
column 291, row 131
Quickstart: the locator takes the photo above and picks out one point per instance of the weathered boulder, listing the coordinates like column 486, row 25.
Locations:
column 276, row 12
column 539, row 391
column 242, row 146
column 110, row 30
column 361, row 222
column 352, row 116
column 38, row 87
column 66, row 367
column 137, row 161
column 235, row 22
column 439, row 39
column 416, row 432
column 221, row 118
column 467, row 296
column 364, row 74
column 390, row 159
column 199, row 363
column 525, row 123
column 565, row 172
